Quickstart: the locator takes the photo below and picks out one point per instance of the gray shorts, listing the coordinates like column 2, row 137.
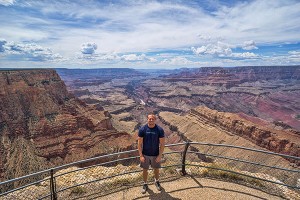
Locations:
column 150, row 160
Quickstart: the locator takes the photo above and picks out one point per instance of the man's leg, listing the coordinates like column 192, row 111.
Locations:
column 156, row 173
column 145, row 175
column 156, row 176
column 145, row 166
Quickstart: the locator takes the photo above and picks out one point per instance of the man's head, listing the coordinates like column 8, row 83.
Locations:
column 151, row 120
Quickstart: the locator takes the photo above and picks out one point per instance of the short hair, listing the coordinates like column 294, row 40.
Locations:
column 151, row 113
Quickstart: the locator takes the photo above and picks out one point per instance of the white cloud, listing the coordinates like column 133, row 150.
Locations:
column 2, row 43
column 110, row 56
column 114, row 58
column 220, row 49
column 133, row 57
column 88, row 48
column 179, row 60
column 30, row 51
column 246, row 55
column 152, row 60
column 249, row 45
column 136, row 57
column 294, row 56
column 7, row 2
column 199, row 50
column 294, row 53
column 223, row 50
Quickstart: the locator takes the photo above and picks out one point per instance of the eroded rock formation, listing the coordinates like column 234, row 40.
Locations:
column 42, row 125
column 217, row 124
column 286, row 142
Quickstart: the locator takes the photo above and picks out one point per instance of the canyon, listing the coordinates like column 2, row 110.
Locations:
column 52, row 117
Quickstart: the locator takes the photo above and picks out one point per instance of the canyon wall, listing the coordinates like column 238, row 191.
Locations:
column 206, row 125
column 42, row 125
column 229, row 77
column 279, row 141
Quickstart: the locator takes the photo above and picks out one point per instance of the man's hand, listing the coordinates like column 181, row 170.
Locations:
column 142, row 158
column 158, row 159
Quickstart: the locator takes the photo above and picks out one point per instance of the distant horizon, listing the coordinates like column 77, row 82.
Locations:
column 158, row 34
column 3, row 69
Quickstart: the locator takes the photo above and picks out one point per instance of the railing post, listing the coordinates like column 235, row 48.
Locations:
column 183, row 158
column 52, row 186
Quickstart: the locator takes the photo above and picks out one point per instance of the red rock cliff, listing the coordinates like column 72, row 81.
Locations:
column 286, row 142
column 42, row 125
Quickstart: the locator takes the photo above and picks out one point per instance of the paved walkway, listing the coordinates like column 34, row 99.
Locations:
column 191, row 188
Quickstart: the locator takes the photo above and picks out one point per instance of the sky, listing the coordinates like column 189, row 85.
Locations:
column 148, row 34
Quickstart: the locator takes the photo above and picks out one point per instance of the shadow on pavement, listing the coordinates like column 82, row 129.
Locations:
column 158, row 196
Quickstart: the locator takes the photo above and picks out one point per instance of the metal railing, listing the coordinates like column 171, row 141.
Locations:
column 100, row 175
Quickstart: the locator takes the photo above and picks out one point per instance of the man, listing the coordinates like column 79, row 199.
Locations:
column 151, row 143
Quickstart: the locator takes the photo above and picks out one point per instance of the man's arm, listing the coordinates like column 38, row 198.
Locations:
column 140, row 144
column 161, row 149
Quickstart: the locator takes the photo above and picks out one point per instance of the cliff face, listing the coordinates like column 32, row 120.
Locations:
column 42, row 125
column 286, row 142
column 204, row 124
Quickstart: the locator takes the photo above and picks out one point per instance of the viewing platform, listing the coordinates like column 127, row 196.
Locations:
column 188, row 188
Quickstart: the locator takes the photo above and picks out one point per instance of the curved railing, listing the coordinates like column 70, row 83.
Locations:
column 275, row 173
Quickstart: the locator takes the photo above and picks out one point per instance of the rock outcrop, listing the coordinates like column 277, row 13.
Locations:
column 42, row 125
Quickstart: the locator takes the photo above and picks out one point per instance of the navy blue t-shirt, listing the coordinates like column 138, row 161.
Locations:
column 151, row 139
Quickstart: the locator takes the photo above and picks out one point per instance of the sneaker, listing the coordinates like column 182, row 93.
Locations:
column 157, row 184
column 144, row 189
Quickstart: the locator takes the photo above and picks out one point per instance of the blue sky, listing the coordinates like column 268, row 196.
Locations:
column 148, row 34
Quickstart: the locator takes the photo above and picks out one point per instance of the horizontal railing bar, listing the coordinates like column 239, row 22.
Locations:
column 176, row 144
column 172, row 152
column 246, row 148
column 24, row 186
column 24, row 177
column 245, row 161
column 295, row 187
